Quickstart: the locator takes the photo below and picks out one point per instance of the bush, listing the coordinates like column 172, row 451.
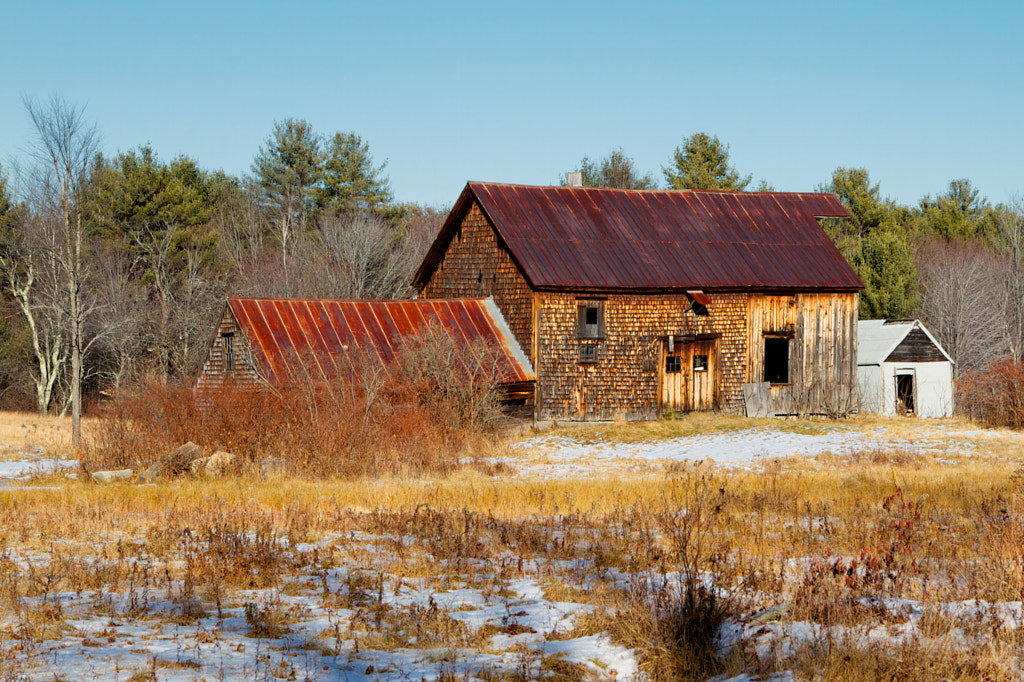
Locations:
column 437, row 400
column 995, row 396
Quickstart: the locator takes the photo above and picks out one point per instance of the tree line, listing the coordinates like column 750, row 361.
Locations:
column 113, row 269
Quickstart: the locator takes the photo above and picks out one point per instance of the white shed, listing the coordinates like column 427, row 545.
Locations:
column 902, row 369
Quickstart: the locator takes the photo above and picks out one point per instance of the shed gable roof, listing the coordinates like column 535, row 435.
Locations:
column 877, row 339
column 331, row 332
column 564, row 237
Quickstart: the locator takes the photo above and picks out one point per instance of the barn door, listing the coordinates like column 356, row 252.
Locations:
column 690, row 376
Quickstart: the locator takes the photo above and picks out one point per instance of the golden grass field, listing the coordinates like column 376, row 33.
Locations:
column 875, row 553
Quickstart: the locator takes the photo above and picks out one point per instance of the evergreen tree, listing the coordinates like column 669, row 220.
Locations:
column 702, row 162
column 350, row 180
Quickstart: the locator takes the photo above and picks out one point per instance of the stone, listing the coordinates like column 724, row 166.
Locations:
column 774, row 613
column 111, row 476
column 155, row 471
column 175, row 463
column 221, row 463
column 197, row 467
column 217, row 465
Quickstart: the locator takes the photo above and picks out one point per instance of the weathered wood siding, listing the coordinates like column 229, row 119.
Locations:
column 214, row 372
column 823, row 350
column 623, row 383
column 626, row 380
column 916, row 347
column 476, row 263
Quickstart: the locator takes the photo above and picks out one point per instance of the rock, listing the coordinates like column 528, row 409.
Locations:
column 155, row 471
column 111, row 476
column 217, row 465
column 774, row 613
column 197, row 467
column 177, row 462
column 221, row 463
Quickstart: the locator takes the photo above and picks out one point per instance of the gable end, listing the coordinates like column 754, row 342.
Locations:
column 916, row 347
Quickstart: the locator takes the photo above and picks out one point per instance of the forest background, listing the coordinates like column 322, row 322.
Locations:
column 115, row 268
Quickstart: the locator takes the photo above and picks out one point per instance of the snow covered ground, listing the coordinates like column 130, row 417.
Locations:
column 350, row 611
column 554, row 455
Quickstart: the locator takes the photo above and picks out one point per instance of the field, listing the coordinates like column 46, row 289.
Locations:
column 697, row 548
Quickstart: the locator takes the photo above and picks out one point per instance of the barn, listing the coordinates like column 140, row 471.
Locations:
column 278, row 341
column 633, row 303
column 902, row 369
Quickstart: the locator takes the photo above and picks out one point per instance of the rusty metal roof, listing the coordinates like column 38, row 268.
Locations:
column 333, row 335
column 564, row 237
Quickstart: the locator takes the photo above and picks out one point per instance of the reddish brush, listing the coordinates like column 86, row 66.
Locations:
column 994, row 397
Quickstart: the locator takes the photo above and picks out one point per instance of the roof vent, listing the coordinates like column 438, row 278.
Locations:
column 574, row 179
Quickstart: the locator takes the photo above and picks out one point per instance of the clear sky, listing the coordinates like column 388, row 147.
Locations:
column 918, row 93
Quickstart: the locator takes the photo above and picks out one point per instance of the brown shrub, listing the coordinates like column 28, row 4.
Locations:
column 438, row 400
column 995, row 396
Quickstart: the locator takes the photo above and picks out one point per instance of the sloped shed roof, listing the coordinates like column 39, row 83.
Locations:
column 564, row 237
column 877, row 339
column 331, row 332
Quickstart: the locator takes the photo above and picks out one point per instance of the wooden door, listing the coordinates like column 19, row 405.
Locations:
column 690, row 376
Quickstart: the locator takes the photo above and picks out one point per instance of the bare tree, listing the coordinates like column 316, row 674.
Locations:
column 1009, row 240
column 65, row 146
column 32, row 274
column 960, row 294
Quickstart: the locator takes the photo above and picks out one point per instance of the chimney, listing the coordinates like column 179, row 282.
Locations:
column 574, row 179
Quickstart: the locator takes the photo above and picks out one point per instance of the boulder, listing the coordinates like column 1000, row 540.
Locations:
column 221, row 463
column 111, row 476
column 217, row 465
column 173, row 464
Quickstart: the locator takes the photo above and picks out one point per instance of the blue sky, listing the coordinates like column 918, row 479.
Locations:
column 918, row 93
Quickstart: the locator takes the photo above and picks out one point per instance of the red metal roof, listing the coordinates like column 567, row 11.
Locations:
column 564, row 237
column 331, row 335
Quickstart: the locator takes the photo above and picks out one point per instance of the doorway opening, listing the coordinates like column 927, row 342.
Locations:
column 905, row 394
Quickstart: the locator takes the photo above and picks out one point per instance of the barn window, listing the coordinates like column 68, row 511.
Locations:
column 776, row 359
column 700, row 363
column 673, row 364
column 229, row 351
column 588, row 354
column 590, row 319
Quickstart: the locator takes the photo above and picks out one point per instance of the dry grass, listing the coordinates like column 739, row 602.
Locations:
column 830, row 537
column 25, row 435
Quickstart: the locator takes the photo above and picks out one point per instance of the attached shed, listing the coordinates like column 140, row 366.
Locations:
column 271, row 340
column 631, row 303
column 902, row 369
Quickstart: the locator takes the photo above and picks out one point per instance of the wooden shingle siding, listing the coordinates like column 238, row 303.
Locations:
column 916, row 347
column 623, row 383
column 213, row 373
column 476, row 264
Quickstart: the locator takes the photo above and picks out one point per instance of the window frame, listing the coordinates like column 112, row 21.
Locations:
column 585, row 330
column 773, row 377
column 587, row 354
column 673, row 364
column 228, row 346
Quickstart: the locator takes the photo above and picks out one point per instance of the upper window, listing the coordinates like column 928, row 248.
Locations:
column 776, row 359
column 229, row 352
column 590, row 319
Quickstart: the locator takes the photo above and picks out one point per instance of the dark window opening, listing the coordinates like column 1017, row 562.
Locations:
column 588, row 353
column 905, row 394
column 590, row 319
column 776, row 360
column 229, row 352
column 700, row 363
column 673, row 364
